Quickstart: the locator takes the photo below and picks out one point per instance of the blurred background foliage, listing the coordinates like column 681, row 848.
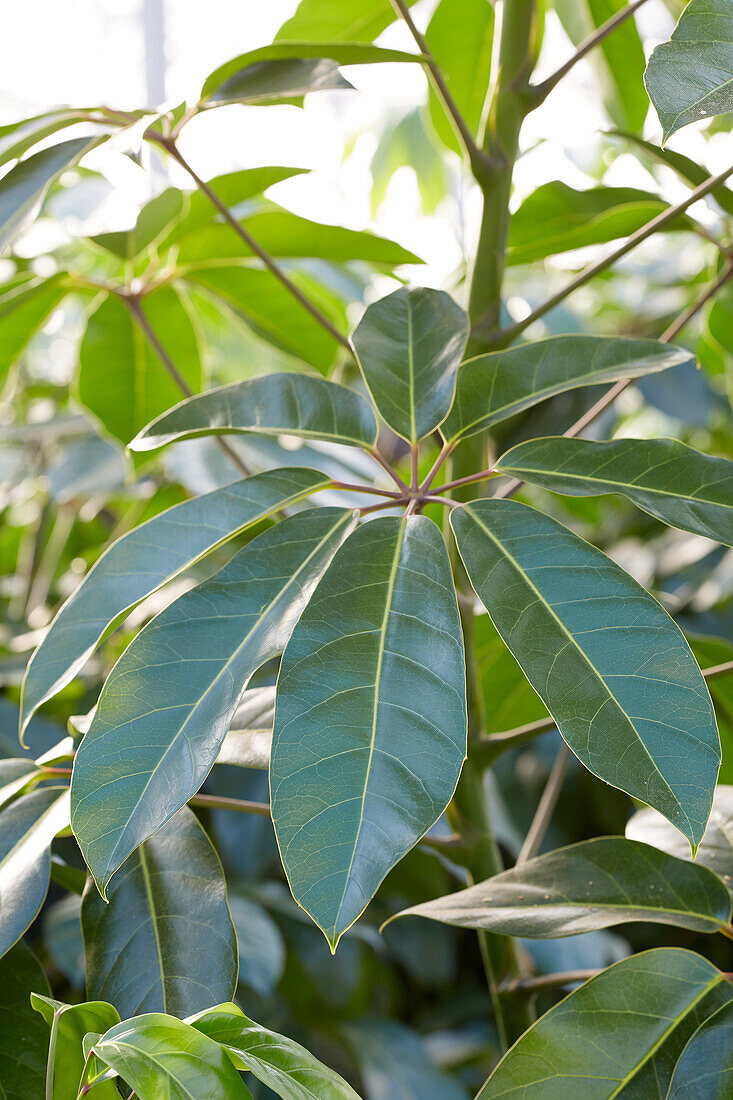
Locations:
column 79, row 379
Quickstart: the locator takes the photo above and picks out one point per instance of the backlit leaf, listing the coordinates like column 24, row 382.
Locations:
column 69, row 1024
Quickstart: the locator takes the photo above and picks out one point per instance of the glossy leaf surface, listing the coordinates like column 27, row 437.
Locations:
column 593, row 884
column 165, row 941
column 280, row 1063
column 15, row 774
column 409, row 345
column 164, row 1059
column 613, row 669
column 370, row 718
column 619, row 1034
column 493, row 387
column 666, row 478
column 23, row 188
column 338, row 20
column 141, row 561
column 167, row 704
column 23, row 1034
column 705, row 1070
column 274, row 404
column 68, row 1025
column 691, row 76
column 716, row 847
column 27, row 828
column 139, row 387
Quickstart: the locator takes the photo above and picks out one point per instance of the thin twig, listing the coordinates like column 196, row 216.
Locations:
column 505, row 336
column 717, row 670
column 390, row 470
column 480, row 162
column 134, row 305
column 272, row 266
column 540, row 92
column 546, row 807
column 445, row 451
column 547, row 981
column 239, row 805
column 345, row 485
column 483, row 475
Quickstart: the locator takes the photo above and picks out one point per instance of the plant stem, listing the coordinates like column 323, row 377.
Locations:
column 345, row 485
column 546, row 807
column 444, row 453
column 547, row 981
column 239, row 805
column 501, row 337
column 134, row 305
column 476, row 156
column 541, row 91
column 272, row 266
column 390, row 470
column 483, row 475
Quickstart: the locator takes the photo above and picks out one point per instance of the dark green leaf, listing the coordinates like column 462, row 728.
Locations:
column 575, row 219
column 716, row 847
column 618, row 61
column 705, row 1069
column 141, row 561
column 69, row 1024
column 24, row 187
column 165, row 941
column 27, row 828
column 62, row 934
column 370, row 720
column 613, row 669
column 274, row 404
column 23, row 1034
column 15, row 774
column 460, row 36
column 338, row 20
column 168, row 702
column 396, row 1065
column 409, row 345
column 620, row 1034
column 261, row 946
column 159, row 1056
column 23, row 310
column 286, row 70
column 283, row 1065
column 493, row 387
column 121, row 379
column 691, row 77
column 664, row 477
column 590, row 885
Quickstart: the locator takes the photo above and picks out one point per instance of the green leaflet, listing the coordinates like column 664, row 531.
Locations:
column 27, row 828
column 493, row 387
column 613, row 669
column 274, row 404
column 460, row 36
column 167, row 704
column 669, row 480
column 575, row 219
column 167, row 920
column 159, row 1056
column 69, row 1024
column 23, row 1034
column 23, row 311
column 585, row 886
column 688, row 169
column 705, row 1069
column 645, row 1008
column 691, row 76
column 280, row 1063
column 15, row 774
column 409, row 345
column 139, row 387
column 370, row 718
column 716, row 847
column 144, row 559
column 287, row 70
column 23, row 188
column 338, row 20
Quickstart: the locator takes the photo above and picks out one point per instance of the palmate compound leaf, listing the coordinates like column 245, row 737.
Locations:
column 27, row 828
column 409, row 345
column 141, row 561
column 165, row 941
column 370, row 718
column 716, row 847
column 274, row 404
column 666, row 478
column 166, row 706
column 618, row 1036
column 691, row 76
column 281, row 1064
column 612, row 668
column 69, row 1024
column 490, row 388
column 586, row 886
column 705, row 1069
column 159, row 1056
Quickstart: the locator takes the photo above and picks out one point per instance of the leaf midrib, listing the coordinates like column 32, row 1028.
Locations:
column 590, row 904
column 154, row 920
